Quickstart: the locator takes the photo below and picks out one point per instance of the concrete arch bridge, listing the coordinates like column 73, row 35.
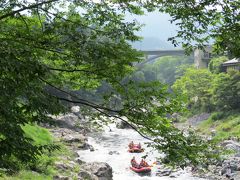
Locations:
column 201, row 58
column 152, row 55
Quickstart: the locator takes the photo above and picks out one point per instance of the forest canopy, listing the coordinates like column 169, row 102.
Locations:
column 50, row 48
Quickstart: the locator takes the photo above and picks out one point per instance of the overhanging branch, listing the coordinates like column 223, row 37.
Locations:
column 79, row 100
column 25, row 8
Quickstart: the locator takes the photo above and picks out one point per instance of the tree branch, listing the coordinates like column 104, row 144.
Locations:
column 25, row 8
column 80, row 101
column 96, row 107
column 74, row 70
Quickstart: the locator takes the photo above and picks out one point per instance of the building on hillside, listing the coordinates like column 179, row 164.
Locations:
column 202, row 58
column 233, row 64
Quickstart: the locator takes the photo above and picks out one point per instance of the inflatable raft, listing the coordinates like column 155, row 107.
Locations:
column 135, row 150
column 141, row 170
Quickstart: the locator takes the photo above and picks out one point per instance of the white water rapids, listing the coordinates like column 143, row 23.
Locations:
column 116, row 141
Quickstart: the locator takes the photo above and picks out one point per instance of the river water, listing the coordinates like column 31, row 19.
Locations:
column 111, row 147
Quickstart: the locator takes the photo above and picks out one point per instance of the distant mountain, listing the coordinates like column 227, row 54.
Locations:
column 152, row 43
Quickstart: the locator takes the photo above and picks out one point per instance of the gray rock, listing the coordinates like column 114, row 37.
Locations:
column 164, row 172
column 85, row 146
column 237, row 155
column 102, row 170
column 84, row 175
column 91, row 148
column 113, row 152
column 195, row 120
column 233, row 163
column 79, row 161
column 65, row 165
column 75, row 109
column 122, row 125
column 59, row 177
column 74, row 138
column 173, row 176
column 61, row 165
column 231, row 145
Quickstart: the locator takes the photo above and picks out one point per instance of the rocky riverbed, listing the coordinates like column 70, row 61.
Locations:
column 71, row 129
column 92, row 158
column 228, row 168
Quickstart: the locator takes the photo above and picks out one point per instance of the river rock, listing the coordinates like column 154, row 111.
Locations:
column 84, row 146
column 61, row 165
column 164, row 172
column 79, row 161
column 113, row 152
column 75, row 109
column 102, row 170
column 195, row 120
column 233, row 163
column 231, row 145
column 72, row 138
column 65, row 165
column 85, row 175
column 122, row 125
column 59, row 177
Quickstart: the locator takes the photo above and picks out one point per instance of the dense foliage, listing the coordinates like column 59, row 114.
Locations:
column 215, row 65
column 201, row 21
column 208, row 92
column 50, row 48
column 164, row 69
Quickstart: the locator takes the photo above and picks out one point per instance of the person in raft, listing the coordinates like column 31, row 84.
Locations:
column 143, row 163
column 134, row 163
column 131, row 145
column 139, row 146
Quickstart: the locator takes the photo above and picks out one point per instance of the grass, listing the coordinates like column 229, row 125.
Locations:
column 226, row 126
column 28, row 175
column 44, row 169
column 41, row 136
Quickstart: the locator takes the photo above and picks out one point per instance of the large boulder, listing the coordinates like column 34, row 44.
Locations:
column 231, row 145
column 60, row 177
column 74, row 138
column 85, row 175
column 195, row 120
column 123, row 125
column 102, row 170
column 232, row 163
column 75, row 109
column 63, row 166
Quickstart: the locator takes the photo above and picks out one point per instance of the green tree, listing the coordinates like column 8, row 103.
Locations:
column 227, row 91
column 50, row 48
column 216, row 63
column 200, row 21
column 196, row 85
column 165, row 69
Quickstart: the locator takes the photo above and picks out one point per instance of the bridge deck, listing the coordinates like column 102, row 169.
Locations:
column 161, row 52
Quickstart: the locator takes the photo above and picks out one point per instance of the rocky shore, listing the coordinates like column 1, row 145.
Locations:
column 228, row 168
column 71, row 130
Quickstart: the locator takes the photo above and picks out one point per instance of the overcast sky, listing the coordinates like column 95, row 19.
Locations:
column 156, row 25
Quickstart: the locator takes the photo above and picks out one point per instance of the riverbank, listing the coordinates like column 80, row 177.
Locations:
column 87, row 154
column 103, row 155
column 223, row 128
column 69, row 133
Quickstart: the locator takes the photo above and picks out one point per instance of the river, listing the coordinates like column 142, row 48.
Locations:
column 111, row 147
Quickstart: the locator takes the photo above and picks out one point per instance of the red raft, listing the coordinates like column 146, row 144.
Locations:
column 135, row 149
column 141, row 170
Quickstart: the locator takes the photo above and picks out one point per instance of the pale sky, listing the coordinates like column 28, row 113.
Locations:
column 156, row 25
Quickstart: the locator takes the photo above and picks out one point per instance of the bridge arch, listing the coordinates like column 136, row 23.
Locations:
column 151, row 55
